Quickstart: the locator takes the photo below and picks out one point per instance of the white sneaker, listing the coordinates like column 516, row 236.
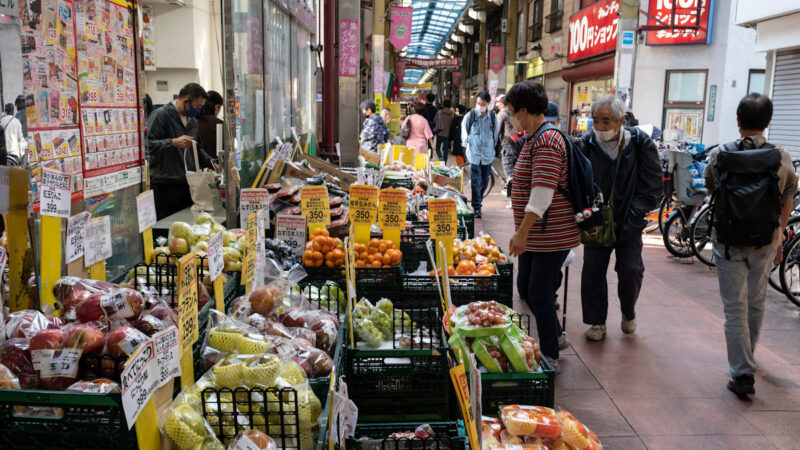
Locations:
column 553, row 363
column 563, row 342
column 596, row 333
column 508, row 205
column 628, row 326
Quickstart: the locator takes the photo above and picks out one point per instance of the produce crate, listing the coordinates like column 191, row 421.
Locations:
column 271, row 410
column 413, row 243
column 77, row 420
column 449, row 435
column 322, row 385
column 371, row 282
column 197, row 347
column 463, row 288
column 506, row 273
column 405, row 182
column 400, row 384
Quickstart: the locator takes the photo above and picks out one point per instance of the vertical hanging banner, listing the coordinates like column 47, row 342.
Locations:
column 496, row 58
column 400, row 31
column 349, row 41
column 400, row 71
column 457, row 78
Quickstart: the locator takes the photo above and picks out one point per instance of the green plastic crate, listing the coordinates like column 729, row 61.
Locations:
column 449, row 435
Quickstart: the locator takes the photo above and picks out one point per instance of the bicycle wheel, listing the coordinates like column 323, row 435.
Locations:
column 700, row 237
column 789, row 270
column 676, row 236
column 467, row 181
column 664, row 210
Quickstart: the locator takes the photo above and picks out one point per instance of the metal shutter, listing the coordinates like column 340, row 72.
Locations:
column 784, row 128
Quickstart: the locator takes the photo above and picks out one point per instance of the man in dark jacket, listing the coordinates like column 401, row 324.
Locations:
column 637, row 188
column 170, row 132
column 430, row 109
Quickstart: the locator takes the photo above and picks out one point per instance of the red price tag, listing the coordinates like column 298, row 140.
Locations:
column 52, row 34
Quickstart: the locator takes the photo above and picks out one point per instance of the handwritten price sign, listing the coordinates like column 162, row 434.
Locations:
column 97, row 241
column 168, row 355
column 138, row 381
column 75, row 227
column 55, row 193
column 215, row 261
column 292, row 230
column 252, row 201
column 187, row 302
column 146, row 209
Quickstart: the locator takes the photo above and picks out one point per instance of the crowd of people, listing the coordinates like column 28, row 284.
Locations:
column 522, row 129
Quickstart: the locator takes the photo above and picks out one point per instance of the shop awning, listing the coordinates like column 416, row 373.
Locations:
column 597, row 68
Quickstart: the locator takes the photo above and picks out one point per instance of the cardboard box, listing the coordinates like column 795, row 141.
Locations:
column 442, row 180
column 374, row 158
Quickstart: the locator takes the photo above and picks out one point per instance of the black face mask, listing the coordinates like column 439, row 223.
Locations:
column 190, row 111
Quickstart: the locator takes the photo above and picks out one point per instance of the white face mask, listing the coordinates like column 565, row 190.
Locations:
column 606, row 136
column 482, row 108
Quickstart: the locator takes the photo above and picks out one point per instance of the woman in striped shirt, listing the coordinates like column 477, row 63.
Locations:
column 545, row 224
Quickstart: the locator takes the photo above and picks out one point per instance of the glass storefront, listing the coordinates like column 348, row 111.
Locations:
column 584, row 94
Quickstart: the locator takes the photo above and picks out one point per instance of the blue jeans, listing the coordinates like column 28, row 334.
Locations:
column 479, row 178
column 743, row 288
column 442, row 147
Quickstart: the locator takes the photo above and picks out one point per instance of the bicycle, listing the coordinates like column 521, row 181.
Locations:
column 494, row 174
column 677, row 230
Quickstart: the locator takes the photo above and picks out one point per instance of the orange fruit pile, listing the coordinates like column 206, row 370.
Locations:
column 323, row 250
column 377, row 253
column 468, row 267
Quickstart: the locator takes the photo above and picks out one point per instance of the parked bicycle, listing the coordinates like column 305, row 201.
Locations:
column 689, row 195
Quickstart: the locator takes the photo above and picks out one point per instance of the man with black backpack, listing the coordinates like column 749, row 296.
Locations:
column 479, row 131
column 752, row 184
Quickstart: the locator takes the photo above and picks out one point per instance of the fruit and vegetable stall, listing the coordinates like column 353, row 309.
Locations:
column 347, row 308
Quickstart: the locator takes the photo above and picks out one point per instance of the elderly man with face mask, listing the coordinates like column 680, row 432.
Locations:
column 626, row 167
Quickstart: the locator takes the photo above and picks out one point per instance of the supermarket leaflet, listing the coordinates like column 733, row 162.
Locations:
column 138, row 381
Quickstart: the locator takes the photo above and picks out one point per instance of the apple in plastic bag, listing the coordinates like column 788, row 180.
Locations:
column 85, row 337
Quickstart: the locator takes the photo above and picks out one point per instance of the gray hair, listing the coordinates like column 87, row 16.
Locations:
column 614, row 105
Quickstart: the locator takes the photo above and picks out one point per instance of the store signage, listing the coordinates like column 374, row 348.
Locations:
column 660, row 13
column 363, row 204
column 75, row 227
column 443, row 219
column 392, row 213
column 291, row 229
column 348, row 48
column 215, row 259
column 187, row 302
column 252, row 201
column 314, row 204
column 97, row 241
column 457, row 79
column 400, row 31
column 593, row 30
column 54, row 193
column 712, row 102
column 425, row 63
column 168, row 355
column 417, row 86
column 496, row 58
column 628, row 39
column 146, row 209
column 138, row 381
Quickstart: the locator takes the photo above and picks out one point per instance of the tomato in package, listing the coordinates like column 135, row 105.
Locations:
column 537, row 421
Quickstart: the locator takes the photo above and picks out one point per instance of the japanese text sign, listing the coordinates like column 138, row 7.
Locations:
column 75, row 227
column 349, row 42
column 187, row 302
column 138, row 381
column 168, row 354
column 215, row 260
column 400, row 31
column 55, row 193
column 686, row 15
column 315, row 205
column 291, row 230
column 593, row 30
column 443, row 218
column 97, row 241
column 363, row 204
column 392, row 209
column 251, row 201
column 146, row 209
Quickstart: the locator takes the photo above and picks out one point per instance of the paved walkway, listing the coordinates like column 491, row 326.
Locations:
column 664, row 387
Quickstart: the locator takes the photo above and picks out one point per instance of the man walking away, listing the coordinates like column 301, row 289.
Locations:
column 12, row 132
column 430, row 109
column 479, row 135
column 21, row 115
column 374, row 132
column 442, row 122
column 455, row 135
column 170, row 132
column 753, row 173
column 507, row 130
column 627, row 170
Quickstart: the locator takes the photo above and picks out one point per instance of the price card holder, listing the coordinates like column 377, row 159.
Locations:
column 97, row 271
column 147, row 435
column 443, row 220
column 187, row 315
column 420, row 161
column 392, row 214
column 51, row 259
column 17, row 229
column 315, row 206
column 146, row 211
column 397, row 152
column 363, row 210
column 215, row 266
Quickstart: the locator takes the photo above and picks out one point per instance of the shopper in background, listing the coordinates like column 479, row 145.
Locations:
column 479, row 135
column 430, row 109
column 743, row 270
column 148, row 107
column 170, row 132
column 207, row 124
column 455, row 134
column 374, row 132
column 540, row 176
column 507, row 152
column 392, row 126
column 626, row 161
column 21, row 115
column 416, row 130
column 12, row 132
column 441, row 128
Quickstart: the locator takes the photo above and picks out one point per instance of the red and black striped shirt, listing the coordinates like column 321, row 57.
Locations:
column 544, row 163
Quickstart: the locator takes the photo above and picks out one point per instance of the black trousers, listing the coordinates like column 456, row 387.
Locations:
column 171, row 198
column 594, row 286
column 539, row 277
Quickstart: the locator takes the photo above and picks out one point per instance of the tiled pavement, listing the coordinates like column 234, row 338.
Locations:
column 664, row 387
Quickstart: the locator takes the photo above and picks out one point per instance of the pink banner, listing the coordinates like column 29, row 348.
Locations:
column 457, row 79
column 432, row 63
column 400, row 31
column 348, row 48
column 496, row 58
column 400, row 71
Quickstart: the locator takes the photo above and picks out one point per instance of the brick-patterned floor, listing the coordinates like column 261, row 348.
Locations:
column 664, row 387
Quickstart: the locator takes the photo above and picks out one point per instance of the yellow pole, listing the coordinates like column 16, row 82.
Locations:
column 17, row 232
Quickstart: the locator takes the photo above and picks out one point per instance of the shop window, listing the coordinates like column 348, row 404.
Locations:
column 755, row 81
column 556, row 16
column 684, row 103
column 520, row 29
column 535, row 13
column 279, row 75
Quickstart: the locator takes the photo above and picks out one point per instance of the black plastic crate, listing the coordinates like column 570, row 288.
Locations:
column 463, row 288
column 448, row 435
column 371, row 282
column 413, row 243
column 399, row 384
column 272, row 410
column 506, row 273
column 73, row 420
column 519, row 388
column 406, row 182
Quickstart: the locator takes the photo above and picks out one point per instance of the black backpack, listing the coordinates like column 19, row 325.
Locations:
column 581, row 191
column 471, row 119
column 3, row 150
column 746, row 200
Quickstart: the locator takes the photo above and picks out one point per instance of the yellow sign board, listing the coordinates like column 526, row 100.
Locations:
column 187, row 302
column 392, row 214
column 443, row 224
column 315, row 205
column 363, row 210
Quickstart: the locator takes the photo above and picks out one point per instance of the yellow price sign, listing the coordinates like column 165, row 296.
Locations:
column 443, row 219
column 363, row 204
column 187, row 302
column 392, row 213
column 315, row 205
